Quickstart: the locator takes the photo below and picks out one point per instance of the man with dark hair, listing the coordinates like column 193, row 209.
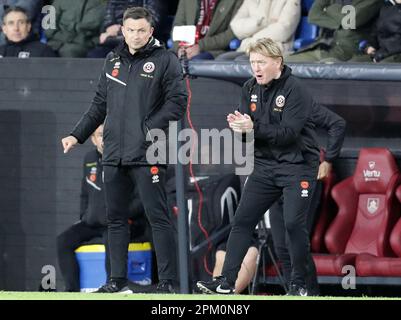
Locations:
column 20, row 42
column 111, row 28
column 140, row 88
column 92, row 222
column 32, row 8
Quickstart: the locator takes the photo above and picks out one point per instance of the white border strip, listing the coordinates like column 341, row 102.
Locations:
column 115, row 79
column 92, row 184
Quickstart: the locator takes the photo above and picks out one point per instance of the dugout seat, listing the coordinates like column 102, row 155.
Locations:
column 367, row 212
column 368, row 265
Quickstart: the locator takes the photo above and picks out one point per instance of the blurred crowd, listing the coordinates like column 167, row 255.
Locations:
column 345, row 30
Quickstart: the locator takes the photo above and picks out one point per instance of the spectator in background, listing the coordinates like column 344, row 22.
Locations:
column 92, row 223
column 111, row 34
column 20, row 42
column 212, row 20
column 172, row 7
column 337, row 42
column 386, row 41
column 33, row 9
column 77, row 26
column 255, row 19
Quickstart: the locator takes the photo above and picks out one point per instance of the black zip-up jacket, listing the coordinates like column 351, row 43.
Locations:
column 335, row 127
column 387, row 32
column 283, row 129
column 31, row 46
column 137, row 93
column 93, row 204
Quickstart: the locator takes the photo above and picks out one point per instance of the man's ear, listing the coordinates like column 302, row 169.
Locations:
column 29, row 27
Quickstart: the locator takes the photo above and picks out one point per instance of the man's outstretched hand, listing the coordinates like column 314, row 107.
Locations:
column 69, row 143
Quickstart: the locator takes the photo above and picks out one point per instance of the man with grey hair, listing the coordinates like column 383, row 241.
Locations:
column 276, row 107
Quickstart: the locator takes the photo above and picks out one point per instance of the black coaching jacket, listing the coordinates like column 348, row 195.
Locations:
column 387, row 33
column 136, row 93
column 335, row 127
column 283, row 129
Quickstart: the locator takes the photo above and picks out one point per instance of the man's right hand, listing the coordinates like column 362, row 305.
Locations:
column 68, row 143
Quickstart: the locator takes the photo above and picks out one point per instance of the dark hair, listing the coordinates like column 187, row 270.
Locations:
column 8, row 9
column 138, row 13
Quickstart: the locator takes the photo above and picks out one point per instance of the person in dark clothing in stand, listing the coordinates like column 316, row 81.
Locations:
column 33, row 8
column 92, row 221
column 141, row 88
column 286, row 159
column 385, row 44
column 335, row 126
column 20, row 42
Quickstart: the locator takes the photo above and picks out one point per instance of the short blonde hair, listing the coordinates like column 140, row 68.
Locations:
column 266, row 47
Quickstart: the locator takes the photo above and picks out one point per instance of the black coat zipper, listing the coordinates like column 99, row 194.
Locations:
column 122, row 118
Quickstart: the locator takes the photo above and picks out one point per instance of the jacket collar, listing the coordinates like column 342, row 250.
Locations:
column 152, row 45
column 31, row 37
column 287, row 71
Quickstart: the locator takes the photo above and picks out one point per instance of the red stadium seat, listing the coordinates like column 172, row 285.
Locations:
column 369, row 265
column 395, row 237
column 367, row 212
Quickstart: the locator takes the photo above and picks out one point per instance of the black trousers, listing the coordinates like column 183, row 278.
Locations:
column 119, row 183
column 67, row 242
column 282, row 245
column 263, row 188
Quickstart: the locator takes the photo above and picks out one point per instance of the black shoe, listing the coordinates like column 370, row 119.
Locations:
column 137, row 288
column 296, row 290
column 114, row 287
column 218, row 285
column 165, row 286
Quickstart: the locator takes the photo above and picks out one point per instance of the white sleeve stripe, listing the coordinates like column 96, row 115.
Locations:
column 115, row 79
column 92, row 184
